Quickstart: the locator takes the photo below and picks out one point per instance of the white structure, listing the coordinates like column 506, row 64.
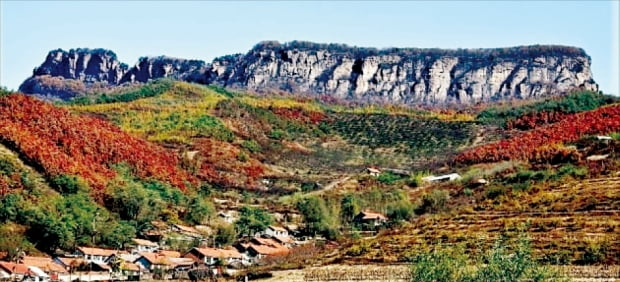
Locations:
column 95, row 255
column 276, row 231
column 446, row 177
column 144, row 246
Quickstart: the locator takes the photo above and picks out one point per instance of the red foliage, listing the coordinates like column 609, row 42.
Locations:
column 300, row 115
column 524, row 146
column 221, row 164
column 62, row 143
column 533, row 120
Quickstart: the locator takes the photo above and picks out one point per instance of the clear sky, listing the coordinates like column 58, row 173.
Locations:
column 207, row 29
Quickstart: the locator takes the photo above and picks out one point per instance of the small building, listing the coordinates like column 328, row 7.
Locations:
column 370, row 219
column 142, row 245
column 48, row 265
column 97, row 255
column 442, row 178
column 153, row 261
column 14, row 271
column 286, row 241
column 276, row 231
column 373, row 171
column 211, row 256
column 70, row 263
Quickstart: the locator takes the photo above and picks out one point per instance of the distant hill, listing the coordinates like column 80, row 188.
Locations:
column 409, row 76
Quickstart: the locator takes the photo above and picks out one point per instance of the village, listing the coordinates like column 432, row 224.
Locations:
column 153, row 258
column 145, row 259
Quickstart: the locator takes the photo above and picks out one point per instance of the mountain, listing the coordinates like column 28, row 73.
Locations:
column 395, row 76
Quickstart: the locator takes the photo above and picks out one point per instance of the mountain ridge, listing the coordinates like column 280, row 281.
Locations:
column 408, row 76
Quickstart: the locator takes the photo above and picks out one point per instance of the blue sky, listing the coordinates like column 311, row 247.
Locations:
column 207, row 29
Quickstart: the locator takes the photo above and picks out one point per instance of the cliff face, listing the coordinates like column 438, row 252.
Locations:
column 407, row 75
column 402, row 76
column 157, row 67
column 96, row 65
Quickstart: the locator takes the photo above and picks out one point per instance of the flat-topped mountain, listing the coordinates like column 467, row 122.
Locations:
column 395, row 75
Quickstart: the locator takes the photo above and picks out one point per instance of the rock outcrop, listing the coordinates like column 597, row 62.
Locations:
column 157, row 67
column 402, row 76
column 407, row 76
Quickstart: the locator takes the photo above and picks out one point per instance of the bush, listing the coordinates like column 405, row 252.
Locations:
column 498, row 264
column 388, row 178
column 434, row 202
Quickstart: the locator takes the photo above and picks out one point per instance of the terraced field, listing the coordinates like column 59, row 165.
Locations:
column 585, row 229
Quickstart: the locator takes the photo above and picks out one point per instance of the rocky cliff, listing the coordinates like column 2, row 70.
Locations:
column 405, row 75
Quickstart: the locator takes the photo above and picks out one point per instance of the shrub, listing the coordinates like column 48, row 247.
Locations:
column 435, row 201
column 388, row 178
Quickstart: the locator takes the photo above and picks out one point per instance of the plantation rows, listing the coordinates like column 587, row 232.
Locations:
column 524, row 146
column 64, row 144
column 421, row 136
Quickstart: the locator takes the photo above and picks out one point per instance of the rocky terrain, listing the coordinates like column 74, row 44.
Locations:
column 397, row 76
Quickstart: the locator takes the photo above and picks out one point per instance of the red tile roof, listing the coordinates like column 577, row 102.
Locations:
column 156, row 258
column 45, row 264
column 170, row 254
column 130, row 266
column 367, row 215
column 269, row 250
column 96, row 251
column 284, row 240
column 14, row 268
column 218, row 253
column 71, row 261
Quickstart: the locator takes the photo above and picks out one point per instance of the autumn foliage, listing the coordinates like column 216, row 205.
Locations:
column 526, row 145
column 226, row 164
column 63, row 143
column 300, row 115
column 532, row 120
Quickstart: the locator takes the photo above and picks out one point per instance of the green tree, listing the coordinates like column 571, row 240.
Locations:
column 199, row 210
column 349, row 207
column 252, row 220
column 225, row 234
column 117, row 234
column 317, row 217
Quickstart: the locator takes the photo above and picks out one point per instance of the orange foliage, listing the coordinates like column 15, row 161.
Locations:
column 62, row 143
column 221, row 164
column 300, row 115
column 524, row 146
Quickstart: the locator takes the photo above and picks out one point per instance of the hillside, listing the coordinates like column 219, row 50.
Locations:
column 171, row 152
column 403, row 76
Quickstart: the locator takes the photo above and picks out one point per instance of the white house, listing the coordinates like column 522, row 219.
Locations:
column 142, row 245
column 95, row 255
column 274, row 231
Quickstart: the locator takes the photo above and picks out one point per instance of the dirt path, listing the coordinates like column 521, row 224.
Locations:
column 330, row 186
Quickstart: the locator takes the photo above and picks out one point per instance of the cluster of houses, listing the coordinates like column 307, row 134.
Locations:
column 145, row 259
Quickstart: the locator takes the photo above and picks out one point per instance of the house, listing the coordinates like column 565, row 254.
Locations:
column 48, row 265
column 259, row 248
column 14, row 271
column 442, row 178
column 153, row 261
column 70, row 263
column 142, row 245
column 373, row 171
column 286, row 241
column 94, row 254
column 258, row 252
column 211, row 256
column 276, row 231
column 228, row 216
column 170, row 254
column 604, row 138
column 370, row 219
